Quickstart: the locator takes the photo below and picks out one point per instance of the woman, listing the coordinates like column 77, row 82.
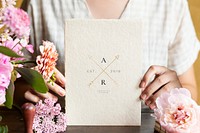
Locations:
column 170, row 42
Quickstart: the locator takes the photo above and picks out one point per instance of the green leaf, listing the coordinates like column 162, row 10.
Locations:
column 3, row 129
column 9, row 95
column 34, row 78
column 6, row 51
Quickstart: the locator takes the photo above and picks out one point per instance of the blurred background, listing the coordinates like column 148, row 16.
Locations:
column 195, row 12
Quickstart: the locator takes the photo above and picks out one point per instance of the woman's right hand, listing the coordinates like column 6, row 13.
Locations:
column 24, row 91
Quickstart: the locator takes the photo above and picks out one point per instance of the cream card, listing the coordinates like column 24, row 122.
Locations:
column 103, row 70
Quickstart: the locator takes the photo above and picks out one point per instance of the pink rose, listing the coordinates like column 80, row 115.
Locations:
column 177, row 112
column 2, row 95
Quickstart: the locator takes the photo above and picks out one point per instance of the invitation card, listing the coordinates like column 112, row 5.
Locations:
column 103, row 69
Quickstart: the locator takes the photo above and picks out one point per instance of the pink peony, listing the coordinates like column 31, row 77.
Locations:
column 17, row 21
column 46, row 62
column 2, row 95
column 177, row 112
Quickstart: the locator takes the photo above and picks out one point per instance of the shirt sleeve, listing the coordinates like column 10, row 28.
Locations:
column 184, row 48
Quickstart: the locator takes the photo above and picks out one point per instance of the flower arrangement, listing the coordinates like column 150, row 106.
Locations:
column 177, row 112
column 48, row 118
column 15, row 63
column 14, row 43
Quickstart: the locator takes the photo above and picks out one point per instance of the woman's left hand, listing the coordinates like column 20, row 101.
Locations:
column 155, row 81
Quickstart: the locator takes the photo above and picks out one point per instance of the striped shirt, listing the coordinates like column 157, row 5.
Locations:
column 169, row 39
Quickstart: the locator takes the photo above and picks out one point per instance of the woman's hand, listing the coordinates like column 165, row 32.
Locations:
column 155, row 81
column 23, row 90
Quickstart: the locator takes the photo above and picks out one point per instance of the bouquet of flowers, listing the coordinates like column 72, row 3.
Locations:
column 14, row 63
column 14, row 44
column 177, row 112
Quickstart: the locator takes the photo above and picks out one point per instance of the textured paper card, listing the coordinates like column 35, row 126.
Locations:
column 103, row 69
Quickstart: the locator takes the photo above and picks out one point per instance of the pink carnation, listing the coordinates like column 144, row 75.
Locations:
column 46, row 62
column 177, row 112
column 17, row 21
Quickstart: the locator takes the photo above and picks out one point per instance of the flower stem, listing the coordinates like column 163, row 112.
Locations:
column 24, row 62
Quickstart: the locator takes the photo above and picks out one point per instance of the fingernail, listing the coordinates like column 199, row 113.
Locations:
column 143, row 96
column 147, row 103
column 142, row 84
column 62, row 92
column 62, row 83
column 152, row 106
